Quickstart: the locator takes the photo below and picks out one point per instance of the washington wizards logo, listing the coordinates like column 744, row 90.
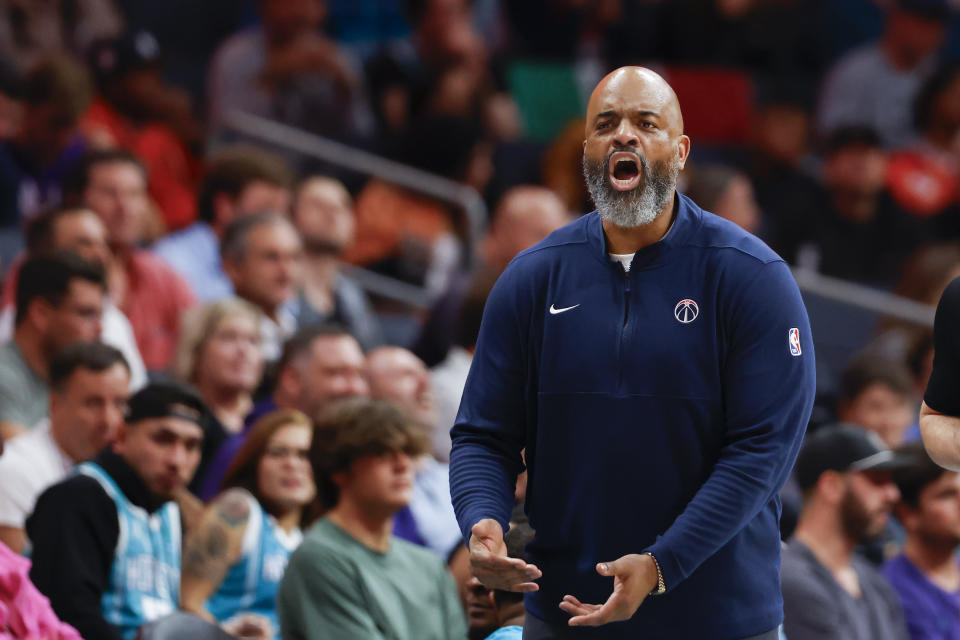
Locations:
column 686, row 311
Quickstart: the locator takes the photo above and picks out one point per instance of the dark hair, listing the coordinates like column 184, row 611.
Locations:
column 470, row 313
column 39, row 232
column 868, row 369
column 243, row 469
column 301, row 341
column 233, row 245
column 517, row 539
column 49, row 276
column 930, row 91
column 707, row 184
column 76, row 181
column 93, row 356
column 916, row 473
column 58, row 80
column 851, row 136
column 348, row 430
column 230, row 170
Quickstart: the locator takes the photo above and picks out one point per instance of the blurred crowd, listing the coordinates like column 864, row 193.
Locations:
column 150, row 246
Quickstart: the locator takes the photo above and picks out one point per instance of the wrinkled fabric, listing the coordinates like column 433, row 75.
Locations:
column 24, row 611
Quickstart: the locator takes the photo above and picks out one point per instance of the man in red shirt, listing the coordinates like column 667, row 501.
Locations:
column 113, row 183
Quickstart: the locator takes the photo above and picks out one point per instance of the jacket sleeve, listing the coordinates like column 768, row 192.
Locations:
column 768, row 391
column 74, row 531
column 491, row 424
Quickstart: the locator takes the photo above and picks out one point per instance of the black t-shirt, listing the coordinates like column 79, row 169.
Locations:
column 943, row 390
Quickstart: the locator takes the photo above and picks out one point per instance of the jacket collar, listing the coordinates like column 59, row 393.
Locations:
column 129, row 482
column 687, row 218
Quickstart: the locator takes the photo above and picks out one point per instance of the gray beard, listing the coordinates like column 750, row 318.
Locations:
column 639, row 206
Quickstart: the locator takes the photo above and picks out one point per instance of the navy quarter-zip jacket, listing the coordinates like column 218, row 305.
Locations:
column 661, row 409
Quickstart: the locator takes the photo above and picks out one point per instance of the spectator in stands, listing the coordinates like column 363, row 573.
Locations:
column 31, row 30
column 135, row 110
column 47, row 142
column 262, row 255
column 829, row 593
column 398, row 376
column 289, row 71
column 219, row 354
column 926, row 575
column 270, row 497
column 351, row 578
column 407, row 234
column 784, row 188
column 59, row 301
column 875, row 86
column 106, row 541
column 859, row 233
column 449, row 377
column 725, row 192
column 238, row 181
column 323, row 214
column 524, row 215
column 113, row 183
column 319, row 364
column 876, row 394
column 924, row 178
column 89, row 388
column 79, row 231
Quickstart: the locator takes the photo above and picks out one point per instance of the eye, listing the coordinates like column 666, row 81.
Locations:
column 646, row 124
column 604, row 125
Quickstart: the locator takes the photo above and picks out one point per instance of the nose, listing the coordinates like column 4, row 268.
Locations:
column 626, row 134
column 893, row 493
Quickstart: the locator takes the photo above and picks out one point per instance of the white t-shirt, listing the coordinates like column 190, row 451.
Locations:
column 626, row 259
column 30, row 463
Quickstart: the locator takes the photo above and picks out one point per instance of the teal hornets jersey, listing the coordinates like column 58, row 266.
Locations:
column 145, row 575
column 251, row 584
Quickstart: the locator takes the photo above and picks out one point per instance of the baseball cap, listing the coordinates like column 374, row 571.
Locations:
column 843, row 447
column 114, row 57
column 167, row 400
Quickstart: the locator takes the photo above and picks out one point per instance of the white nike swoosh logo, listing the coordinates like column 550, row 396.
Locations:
column 555, row 311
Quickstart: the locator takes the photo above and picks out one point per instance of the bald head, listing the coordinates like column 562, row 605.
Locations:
column 399, row 376
column 644, row 89
column 524, row 216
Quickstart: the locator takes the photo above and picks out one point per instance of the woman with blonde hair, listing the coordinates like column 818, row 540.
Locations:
column 234, row 560
column 219, row 353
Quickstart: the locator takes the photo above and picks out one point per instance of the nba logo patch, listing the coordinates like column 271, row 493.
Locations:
column 793, row 338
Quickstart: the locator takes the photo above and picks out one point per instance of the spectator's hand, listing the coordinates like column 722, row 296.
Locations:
column 490, row 564
column 250, row 626
column 634, row 577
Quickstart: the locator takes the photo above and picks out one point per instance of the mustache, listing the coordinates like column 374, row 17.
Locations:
column 641, row 160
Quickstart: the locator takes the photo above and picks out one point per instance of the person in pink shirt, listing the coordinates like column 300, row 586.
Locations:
column 24, row 611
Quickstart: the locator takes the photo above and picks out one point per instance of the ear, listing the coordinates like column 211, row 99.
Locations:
column 40, row 314
column 232, row 269
column 339, row 478
column 832, row 486
column 120, row 443
column 683, row 150
column 907, row 515
column 289, row 382
column 224, row 211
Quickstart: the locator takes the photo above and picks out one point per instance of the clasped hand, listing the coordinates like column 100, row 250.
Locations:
column 634, row 577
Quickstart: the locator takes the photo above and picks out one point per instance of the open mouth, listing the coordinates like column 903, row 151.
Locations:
column 624, row 170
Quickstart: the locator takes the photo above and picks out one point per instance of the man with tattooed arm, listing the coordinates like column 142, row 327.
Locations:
column 106, row 541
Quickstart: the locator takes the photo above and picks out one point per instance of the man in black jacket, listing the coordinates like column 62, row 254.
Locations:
column 106, row 541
